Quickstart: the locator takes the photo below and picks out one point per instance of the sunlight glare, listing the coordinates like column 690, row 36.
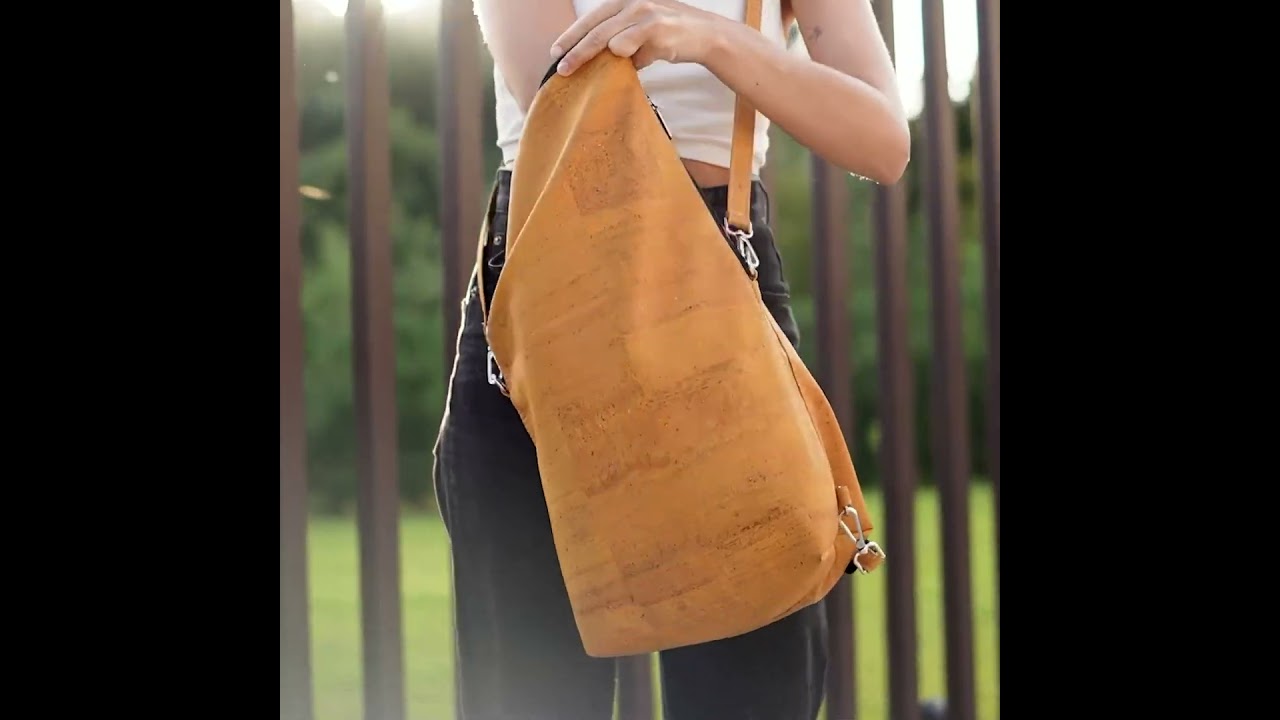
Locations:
column 391, row 7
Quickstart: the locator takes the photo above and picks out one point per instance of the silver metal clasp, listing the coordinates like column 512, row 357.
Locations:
column 746, row 250
column 495, row 372
column 860, row 541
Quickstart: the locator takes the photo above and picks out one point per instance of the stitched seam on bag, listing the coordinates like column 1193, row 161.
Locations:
column 777, row 334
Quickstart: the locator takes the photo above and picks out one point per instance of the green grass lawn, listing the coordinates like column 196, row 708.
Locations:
column 335, row 615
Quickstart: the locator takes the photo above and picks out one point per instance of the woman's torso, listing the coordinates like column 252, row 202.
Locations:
column 695, row 106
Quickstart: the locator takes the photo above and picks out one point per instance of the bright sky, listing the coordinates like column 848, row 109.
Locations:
column 962, row 42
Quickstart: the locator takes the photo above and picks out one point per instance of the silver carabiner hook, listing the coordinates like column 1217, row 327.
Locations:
column 746, row 250
column 495, row 372
column 860, row 541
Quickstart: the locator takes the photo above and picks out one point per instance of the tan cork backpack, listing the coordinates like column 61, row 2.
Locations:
column 698, row 484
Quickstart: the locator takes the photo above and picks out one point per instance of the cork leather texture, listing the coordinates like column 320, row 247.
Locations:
column 689, row 460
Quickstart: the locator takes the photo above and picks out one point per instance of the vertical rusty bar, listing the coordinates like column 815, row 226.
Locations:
column 460, row 111
column 898, row 424
column 989, row 149
column 635, row 688
column 295, row 640
column 369, row 159
column 830, row 290
column 461, row 159
column 951, row 434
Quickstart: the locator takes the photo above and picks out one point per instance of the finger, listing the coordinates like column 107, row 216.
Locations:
column 629, row 41
column 637, row 43
column 591, row 45
column 583, row 25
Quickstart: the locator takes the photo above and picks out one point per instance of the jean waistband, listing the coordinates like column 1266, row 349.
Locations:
column 716, row 197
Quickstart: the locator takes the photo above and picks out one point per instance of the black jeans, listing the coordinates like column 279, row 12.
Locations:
column 519, row 654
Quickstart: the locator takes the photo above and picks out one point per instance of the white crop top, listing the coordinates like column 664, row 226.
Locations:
column 695, row 106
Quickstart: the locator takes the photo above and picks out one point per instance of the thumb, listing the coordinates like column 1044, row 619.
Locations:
column 645, row 56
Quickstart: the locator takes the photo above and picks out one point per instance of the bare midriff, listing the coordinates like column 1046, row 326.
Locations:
column 707, row 175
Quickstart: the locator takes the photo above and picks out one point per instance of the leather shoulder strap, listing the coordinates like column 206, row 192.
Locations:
column 742, row 149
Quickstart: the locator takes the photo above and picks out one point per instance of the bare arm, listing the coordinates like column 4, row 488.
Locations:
column 842, row 102
column 518, row 33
